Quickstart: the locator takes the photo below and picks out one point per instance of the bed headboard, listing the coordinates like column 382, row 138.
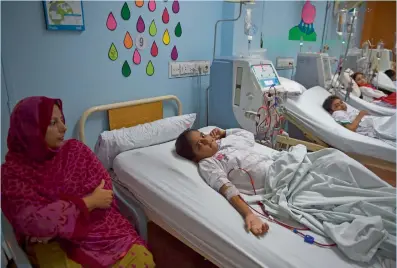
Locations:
column 130, row 113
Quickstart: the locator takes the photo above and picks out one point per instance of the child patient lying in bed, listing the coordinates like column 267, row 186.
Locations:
column 380, row 127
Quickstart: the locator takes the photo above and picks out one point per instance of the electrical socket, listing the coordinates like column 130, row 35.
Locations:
column 188, row 68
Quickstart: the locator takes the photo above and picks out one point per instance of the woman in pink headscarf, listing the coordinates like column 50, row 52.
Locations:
column 57, row 194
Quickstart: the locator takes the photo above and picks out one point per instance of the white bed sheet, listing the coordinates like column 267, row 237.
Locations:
column 361, row 104
column 172, row 188
column 307, row 108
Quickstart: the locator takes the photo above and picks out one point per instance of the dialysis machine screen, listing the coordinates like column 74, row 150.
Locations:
column 266, row 75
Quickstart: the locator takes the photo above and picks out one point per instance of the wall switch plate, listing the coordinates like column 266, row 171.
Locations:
column 188, row 68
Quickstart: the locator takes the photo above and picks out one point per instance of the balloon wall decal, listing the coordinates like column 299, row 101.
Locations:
column 139, row 3
column 136, row 58
column 154, row 50
column 178, row 30
column 151, row 5
column 166, row 37
column 175, row 6
column 111, row 22
column 126, row 70
column 150, row 68
column 125, row 12
column 113, row 54
column 166, row 16
column 140, row 25
column 152, row 28
column 174, row 53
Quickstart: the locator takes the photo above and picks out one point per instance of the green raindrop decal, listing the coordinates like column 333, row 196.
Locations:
column 150, row 68
column 126, row 70
column 113, row 54
column 152, row 28
column 125, row 12
column 178, row 30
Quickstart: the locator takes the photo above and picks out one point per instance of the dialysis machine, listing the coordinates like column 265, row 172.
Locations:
column 313, row 69
column 237, row 88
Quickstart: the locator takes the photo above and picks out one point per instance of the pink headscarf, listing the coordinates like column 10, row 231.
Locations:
column 42, row 190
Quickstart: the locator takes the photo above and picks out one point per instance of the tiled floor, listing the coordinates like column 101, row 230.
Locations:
column 169, row 252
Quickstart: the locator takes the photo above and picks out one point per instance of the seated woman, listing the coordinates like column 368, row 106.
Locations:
column 58, row 197
column 380, row 127
column 371, row 94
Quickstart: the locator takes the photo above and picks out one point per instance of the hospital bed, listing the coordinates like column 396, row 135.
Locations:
column 172, row 194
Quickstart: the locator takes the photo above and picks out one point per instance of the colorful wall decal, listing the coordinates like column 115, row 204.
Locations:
column 125, row 12
column 150, row 68
column 154, row 50
column 113, row 54
column 166, row 37
column 151, row 5
column 305, row 29
column 178, row 30
column 128, row 43
column 139, row 3
column 140, row 42
column 166, row 16
column 152, row 28
column 136, row 58
column 126, row 70
column 175, row 6
column 174, row 53
column 140, row 25
column 111, row 22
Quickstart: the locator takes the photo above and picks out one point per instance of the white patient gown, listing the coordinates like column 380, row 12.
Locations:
column 236, row 151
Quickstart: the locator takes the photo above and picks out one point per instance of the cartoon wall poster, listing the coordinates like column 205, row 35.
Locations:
column 305, row 29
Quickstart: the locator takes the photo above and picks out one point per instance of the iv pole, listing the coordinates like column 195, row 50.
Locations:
column 213, row 55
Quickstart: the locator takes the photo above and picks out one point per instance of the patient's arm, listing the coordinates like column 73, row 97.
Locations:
column 354, row 125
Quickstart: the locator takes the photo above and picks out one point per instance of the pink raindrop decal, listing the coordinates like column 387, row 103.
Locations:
column 151, row 5
column 174, row 53
column 136, row 58
column 140, row 25
column 111, row 22
column 165, row 17
column 175, row 6
column 154, row 50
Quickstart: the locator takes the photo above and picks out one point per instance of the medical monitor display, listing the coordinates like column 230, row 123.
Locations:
column 266, row 75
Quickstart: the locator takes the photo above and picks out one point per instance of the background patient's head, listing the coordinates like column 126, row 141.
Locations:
column 194, row 145
column 334, row 103
column 359, row 78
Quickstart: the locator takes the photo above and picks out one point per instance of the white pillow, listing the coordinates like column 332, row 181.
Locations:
column 383, row 81
column 346, row 80
column 112, row 143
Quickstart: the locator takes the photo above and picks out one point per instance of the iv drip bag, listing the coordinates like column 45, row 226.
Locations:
column 379, row 49
column 341, row 22
column 249, row 28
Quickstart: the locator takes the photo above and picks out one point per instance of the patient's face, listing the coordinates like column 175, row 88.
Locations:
column 360, row 80
column 203, row 145
column 338, row 105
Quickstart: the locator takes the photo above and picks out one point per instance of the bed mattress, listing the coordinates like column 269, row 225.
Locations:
column 307, row 109
column 172, row 188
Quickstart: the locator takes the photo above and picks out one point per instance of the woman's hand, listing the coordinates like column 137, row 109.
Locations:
column 218, row 133
column 100, row 198
column 254, row 224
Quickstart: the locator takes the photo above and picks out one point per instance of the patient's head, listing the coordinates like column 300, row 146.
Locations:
column 359, row 78
column 334, row 103
column 392, row 74
column 194, row 145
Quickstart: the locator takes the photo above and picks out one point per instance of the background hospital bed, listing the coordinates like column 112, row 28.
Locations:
column 319, row 127
column 174, row 196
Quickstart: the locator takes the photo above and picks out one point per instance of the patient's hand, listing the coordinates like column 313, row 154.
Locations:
column 256, row 225
column 218, row 133
column 363, row 113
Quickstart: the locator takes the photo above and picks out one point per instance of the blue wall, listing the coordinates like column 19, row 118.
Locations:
column 75, row 67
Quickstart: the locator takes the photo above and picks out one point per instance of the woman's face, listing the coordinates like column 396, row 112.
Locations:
column 56, row 129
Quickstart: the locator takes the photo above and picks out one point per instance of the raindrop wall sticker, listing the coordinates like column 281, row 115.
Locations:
column 125, row 12
column 166, row 37
column 126, row 70
column 136, row 58
column 139, row 3
column 175, row 6
column 128, row 43
column 140, row 42
column 174, row 53
column 150, row 68
column 154, row 50
column 140, row 25
column 305, row 29
column 151, row 5
column 111, row 22
column 165, row 17
column 113, row 54
column 152, row 28
column 178, row 30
